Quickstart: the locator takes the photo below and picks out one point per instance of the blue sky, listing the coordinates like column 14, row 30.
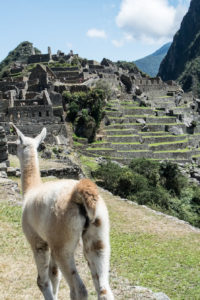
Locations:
column 115, row 29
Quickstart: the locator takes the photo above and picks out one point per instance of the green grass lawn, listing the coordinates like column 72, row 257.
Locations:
column 147, row 249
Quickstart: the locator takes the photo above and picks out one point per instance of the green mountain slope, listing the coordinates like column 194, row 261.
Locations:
column 151, row 63
column 182, row 61
column 19, row 54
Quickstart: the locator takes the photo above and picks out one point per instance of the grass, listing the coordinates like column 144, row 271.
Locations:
column 125, row 143
column 161, row 255
column 136, row 107
column 162, row 97
column 103, row 149
column 118, row 129
column 161, row 136
column 174, row 151
column 128, row 135
column 196, row 156
column 132, row 151
column 169, row 143
column 149, row 124
column 148, row 249
column 88, row 164
column 100, row 142
column 77, row 144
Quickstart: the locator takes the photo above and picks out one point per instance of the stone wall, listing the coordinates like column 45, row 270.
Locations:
column 3, row 145
column 39, row 58
column 39, row 113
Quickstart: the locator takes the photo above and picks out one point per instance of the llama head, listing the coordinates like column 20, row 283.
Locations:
column 26, row 145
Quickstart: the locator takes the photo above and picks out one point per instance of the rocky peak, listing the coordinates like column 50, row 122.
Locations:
column 183, row 56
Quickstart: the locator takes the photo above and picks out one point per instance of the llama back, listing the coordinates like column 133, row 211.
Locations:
column 86, row 193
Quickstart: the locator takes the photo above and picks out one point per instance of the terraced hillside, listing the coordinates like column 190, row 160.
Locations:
column 155, row 132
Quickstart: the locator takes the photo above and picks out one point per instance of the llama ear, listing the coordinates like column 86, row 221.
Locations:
column 18, row 132
column 40, row 137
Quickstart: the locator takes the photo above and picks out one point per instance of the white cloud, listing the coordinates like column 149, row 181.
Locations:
column 118, row 43
column 96, row 33
column 151, row 20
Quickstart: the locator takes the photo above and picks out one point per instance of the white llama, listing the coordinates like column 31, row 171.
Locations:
column 55, row 216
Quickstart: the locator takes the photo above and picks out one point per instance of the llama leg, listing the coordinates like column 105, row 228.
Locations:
column 97, row 252
column 68, row 268
column 42, row 259
column 55, row 276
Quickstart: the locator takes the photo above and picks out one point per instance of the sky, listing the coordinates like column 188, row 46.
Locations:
column 115, row 29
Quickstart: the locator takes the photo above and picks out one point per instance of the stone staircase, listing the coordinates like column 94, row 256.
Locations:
column 135, row 131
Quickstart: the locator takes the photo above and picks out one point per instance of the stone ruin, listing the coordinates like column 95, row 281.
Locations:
column 33, row 99
column 4, row 163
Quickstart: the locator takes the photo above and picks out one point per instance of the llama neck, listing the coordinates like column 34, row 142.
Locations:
column 30, row 172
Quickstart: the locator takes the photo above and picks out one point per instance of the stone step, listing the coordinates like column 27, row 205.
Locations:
column 151, row 134
column 138, row 111
column 129, row 146
column 122, row 132
column 173, row 154
column 133, row 154
column 123, row 139
column 180, row 110
column 126, row 161
column 169, row 146
column 101, row 145
column 139, row 127
column 165, row 105
column 111, row 113
column 106, row 152
column 162, row 138
column 162, row 120
column 182, row 126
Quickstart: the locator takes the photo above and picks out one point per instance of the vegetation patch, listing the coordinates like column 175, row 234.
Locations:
column 158, row 185
column 85, row 111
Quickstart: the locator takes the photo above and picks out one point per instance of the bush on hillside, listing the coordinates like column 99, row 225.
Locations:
column 158, row 185
column 105, row 86
column 85, row 111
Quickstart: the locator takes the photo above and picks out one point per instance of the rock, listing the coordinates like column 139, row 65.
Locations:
column 47, row 154
column 3, row 166
column 175, row 130
column 3, row 174
column 137, row 91
column 126, row 80
column 188, row 121
column 141, row 121
column 11, row 171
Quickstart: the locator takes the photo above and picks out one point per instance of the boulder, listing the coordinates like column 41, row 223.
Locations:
column 175, row 130
column 141, row 121
column 126, row 80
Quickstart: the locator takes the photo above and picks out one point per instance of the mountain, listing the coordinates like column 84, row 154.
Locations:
column 150, row 64
column 19, row 54
column 182, row 61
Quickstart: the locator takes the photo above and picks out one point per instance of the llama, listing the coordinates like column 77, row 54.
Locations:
column 55, row 216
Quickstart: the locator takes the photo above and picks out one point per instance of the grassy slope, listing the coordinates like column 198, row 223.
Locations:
column 148, row 249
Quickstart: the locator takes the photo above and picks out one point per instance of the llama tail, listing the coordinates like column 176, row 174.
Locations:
column 86, row 193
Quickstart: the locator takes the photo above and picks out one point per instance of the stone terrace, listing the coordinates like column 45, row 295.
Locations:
column 149, row 132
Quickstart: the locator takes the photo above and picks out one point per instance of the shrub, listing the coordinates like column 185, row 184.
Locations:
column 85, row 109
column 171, row 178
column 130, row 183
column 147, row 168
column 108, row 175
column 104, row 86
column 158, row 185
